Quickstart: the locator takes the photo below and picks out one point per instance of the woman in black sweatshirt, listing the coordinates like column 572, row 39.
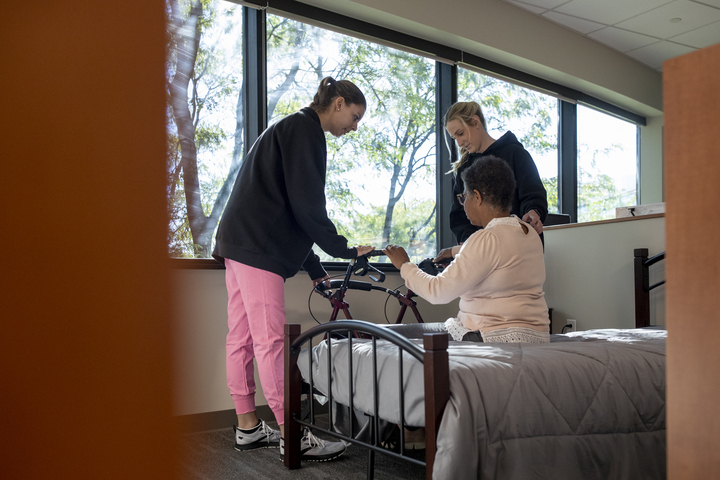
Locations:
column 465, row 123
column 275, row 213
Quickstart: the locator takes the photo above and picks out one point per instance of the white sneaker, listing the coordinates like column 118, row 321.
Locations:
column 314, row 449
column 261, row 436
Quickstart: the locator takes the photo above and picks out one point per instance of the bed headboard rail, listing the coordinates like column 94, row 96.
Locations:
column 642, row 285
column 433, row 356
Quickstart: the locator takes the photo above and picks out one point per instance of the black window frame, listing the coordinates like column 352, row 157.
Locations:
column 446, row 71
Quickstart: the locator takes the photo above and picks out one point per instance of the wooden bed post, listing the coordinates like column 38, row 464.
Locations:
column 293, row 388
column 437, row 391
column 642, row 294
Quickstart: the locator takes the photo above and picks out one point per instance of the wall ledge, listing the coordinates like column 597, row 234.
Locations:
column 603, row 222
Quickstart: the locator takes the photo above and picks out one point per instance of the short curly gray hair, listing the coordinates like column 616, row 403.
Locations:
column 493, row 178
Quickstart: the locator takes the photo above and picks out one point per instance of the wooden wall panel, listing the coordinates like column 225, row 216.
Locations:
column 85, row 337
column 692, row 186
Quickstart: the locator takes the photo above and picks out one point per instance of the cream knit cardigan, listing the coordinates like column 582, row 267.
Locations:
column 498, row 273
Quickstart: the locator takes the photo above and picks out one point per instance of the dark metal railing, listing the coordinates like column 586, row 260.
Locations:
column 642, row 285
column 435, row 365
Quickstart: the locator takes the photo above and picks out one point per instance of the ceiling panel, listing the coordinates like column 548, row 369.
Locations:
column 654, row 55
column 622, row 40
column 608, row 12
column 700, row 38
column 582, row 26
column 650, row 31
column 710, row 3
column 545, row 4
column 526, row 6
column 672, row 19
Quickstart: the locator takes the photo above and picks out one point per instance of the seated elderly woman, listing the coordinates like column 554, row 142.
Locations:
column 498, row 272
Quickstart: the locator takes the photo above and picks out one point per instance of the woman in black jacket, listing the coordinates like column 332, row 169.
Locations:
column 465, row 123
column 275, row 213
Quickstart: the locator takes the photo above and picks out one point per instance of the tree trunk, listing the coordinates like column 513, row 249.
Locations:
column 188, row 42
column 211, row 221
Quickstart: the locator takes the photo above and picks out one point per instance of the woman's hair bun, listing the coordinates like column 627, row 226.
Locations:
column 330, row 89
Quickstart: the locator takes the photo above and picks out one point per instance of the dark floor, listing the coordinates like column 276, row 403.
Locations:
column 211, row 456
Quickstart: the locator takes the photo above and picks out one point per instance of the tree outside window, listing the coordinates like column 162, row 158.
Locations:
column 607, row 164
column 381, row 183
column 205, row 130
column 381, row 179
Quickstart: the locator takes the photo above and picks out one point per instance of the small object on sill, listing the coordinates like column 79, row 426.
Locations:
column 639, row 210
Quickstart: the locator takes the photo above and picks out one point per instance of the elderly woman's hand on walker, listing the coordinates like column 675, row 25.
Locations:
column 397, row 255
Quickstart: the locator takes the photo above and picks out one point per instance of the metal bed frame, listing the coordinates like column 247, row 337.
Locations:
column 433, row 356
column 642, row 285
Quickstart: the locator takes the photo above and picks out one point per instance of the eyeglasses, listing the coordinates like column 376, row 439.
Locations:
column 463, row 197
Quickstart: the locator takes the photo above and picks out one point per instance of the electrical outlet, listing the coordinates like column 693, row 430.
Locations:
column 573, row 325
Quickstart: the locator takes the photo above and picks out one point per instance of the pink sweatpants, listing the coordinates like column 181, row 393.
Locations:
column 256, row 319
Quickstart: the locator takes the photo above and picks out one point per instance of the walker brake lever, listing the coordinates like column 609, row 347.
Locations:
column 362, row 266
column 430, row 267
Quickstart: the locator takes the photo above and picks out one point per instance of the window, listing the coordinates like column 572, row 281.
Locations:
column 383, row 183
column 205, row 135
column 531, row 116
column 381, row 179
column 607, row 164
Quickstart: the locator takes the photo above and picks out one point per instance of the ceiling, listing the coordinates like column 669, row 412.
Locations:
column 650, row 31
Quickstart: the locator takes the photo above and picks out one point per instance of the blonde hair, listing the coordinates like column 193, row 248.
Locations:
column 464, row 113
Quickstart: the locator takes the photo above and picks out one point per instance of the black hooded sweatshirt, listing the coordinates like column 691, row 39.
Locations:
column 276, row 210
column 530, row 193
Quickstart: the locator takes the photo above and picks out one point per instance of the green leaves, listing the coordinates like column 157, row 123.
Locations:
column 375, row 173
column 380, row 180
column 204, row 84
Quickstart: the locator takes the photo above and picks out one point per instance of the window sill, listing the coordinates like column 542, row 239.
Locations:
column 602, row 222
column 211, row 264
column 196, row 263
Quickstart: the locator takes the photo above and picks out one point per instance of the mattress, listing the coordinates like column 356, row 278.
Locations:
column 587, row 405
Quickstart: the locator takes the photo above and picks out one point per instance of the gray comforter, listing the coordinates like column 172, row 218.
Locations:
column 588, row 405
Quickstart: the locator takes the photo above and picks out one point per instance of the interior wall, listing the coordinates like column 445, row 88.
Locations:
column 589, row 278
column 651, row 161
column 200, row 312
column 590, row 272
column 85, row 343
column 692, row 144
